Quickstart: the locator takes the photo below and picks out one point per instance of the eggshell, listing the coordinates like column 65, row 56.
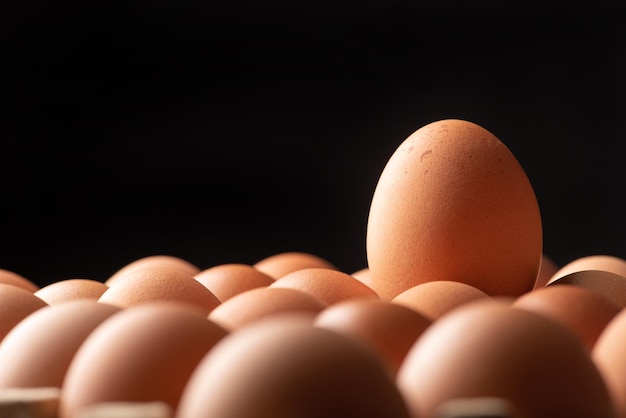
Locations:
column 17, row 303
column 609, row 356
column 547, row 269
column 433, row 299
column 608, row 284
column 159, row 284
column 10, row 277
column 70, row 289
column 227, row 280
column 144, row 353
column 600, row 262
column 581, row 310
column 284, row 368
column 329, row 285
column 453, row 203
column 167, row 261
column 387, row 328
column 251, row 305
column 494, row 350
column 39, row 349
column 277, row 265
column 364, row 275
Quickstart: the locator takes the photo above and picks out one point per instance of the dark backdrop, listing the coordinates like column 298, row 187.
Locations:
column 226, row 131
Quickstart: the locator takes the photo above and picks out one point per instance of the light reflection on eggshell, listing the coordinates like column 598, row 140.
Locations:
column 70, row 289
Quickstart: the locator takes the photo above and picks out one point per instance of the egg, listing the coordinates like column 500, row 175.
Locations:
column 490, row 349
column 160, row 260
column 156, row 284
column 608, row 284
column 10, row 277
column 609, row 356
column 434, row 299
column 388, row 329
column 227, row 280
column 143, row 353
column 39, row 349
column 277, row 265
column 283, row 367
column 70, row 289
column 329, row 285
column 17, row 303
column 601, row 262
column 581, row 310
column 453, row 203
column 254, row 304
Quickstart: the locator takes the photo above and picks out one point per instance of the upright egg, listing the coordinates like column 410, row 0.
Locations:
column 453, row 203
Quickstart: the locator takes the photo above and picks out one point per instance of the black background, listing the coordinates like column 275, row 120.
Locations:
column 226, row 131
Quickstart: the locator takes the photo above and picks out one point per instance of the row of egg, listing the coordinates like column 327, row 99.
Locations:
column 150, row 334
column 449, row 316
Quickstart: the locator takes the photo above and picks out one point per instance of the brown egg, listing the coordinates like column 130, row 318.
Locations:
column 17, row 303
column 159, row 284
column 600, row 262
column 251, row 305
column 453, row 203
column 608, row 284
column 39, row 349
column 227, row 280
column 581, row 310
column 167, row 261
column 433, row 299
column 329, row 285
column 285, row 368
column 547, row 269
column 493, row 350
column 9, row 277
column 70, row 289
column 278, row 265
column 387, row 328
column 365, row 276
column 609, row 356
column 143, row 353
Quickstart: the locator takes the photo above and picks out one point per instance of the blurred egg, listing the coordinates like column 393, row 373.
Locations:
column 277, row 265
column 285, row 368
column 166, row 261
column 227, row 280
column 39, row 349
column 331, row 286
column 9, row 277
column 387, row 328
column 547, row 269
column 69, row 289
column 453, row 203
column 16, row 304
column 609, row 355
column 159, row 284
column 493, row 350
column 365, row 276
column 580, row 310
column 144, row 353
column 254, row 304
column 608, row 284
column 433, row 299
column 600, row 262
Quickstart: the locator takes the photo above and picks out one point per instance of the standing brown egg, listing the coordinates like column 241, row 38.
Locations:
column 453, row 203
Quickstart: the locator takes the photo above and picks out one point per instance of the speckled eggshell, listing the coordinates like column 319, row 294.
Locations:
column 453, row 203
column 228, row 280
column 70, row 289
column 158, row 260
column 278, row 265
